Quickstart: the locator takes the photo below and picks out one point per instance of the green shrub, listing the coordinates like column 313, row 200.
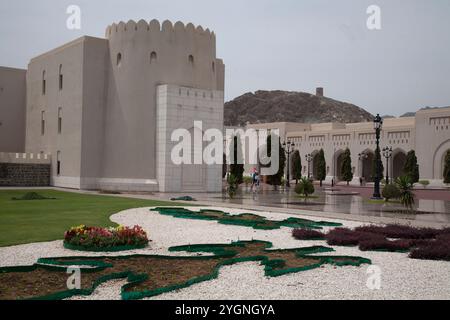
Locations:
column 391, row 191
column 232, row 181
column 405, row 185
column 424, row 183
column 304, row 187
column 247, row 180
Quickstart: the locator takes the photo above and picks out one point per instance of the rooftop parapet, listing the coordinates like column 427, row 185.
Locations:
column 32, row 158
column 155, row 27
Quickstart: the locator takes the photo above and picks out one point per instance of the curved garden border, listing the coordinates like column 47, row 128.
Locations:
column 218, row 250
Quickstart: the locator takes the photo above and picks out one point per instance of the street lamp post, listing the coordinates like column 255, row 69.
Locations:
column 387, row 153
column 309, row 159
column 288, row 149
column 377, row 125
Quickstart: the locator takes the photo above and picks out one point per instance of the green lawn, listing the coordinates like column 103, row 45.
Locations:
column 27, row 221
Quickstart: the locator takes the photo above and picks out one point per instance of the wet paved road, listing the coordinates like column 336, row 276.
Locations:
column 342, row 201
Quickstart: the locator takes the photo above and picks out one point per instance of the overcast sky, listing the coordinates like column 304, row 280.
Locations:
column 276, row 44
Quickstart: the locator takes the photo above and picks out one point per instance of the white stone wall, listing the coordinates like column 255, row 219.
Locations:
column 12, row 109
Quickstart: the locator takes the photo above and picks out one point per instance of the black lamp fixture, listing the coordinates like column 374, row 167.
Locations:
column 387, row 153
column 288, row 149
column 309, row 158
column 377, row 125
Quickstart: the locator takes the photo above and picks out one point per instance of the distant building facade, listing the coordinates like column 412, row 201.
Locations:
column 104, row 108
column 427, row 133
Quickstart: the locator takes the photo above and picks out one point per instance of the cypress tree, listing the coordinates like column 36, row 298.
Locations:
column 237, row 165
column 296, row 166
column 346, row 169
column 321, row 167
column 411, row 168
column 447, row 167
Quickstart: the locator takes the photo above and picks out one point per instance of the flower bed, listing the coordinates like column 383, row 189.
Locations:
column 421, row 243
column 307, row 234
column 105, row 239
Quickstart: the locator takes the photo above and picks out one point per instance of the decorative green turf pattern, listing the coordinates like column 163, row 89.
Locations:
column 244, row 219
column 225, row 254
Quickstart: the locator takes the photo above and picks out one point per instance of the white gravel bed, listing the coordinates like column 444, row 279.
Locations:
column 401, row 277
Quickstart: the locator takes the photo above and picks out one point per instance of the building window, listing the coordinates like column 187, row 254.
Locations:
column 60, row 78
column 59, row 120
column 153, row 57
column 58, row 163
column 43, row 82
column 42, row 123
column 213, row 67
column 119, row 59
column 191, row 59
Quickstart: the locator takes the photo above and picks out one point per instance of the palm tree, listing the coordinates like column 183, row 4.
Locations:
column 405, row 184
column 304, row 187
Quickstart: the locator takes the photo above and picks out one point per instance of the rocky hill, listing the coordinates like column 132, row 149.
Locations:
column 276, row 106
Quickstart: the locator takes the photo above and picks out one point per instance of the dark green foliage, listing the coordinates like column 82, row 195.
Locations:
column 232, row 181
column 447, row 167
column 296, row 166
column 391, row 191
column 321, row 167
column 304, row 187
column 411, row 168
column 346, row 169
column 237, row 165
column 405, row 186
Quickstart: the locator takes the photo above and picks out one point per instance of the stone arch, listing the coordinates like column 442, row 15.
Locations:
column 366, row 170
column 337, row 161
column 438, row 160
column 314, row 163
column 397, row 163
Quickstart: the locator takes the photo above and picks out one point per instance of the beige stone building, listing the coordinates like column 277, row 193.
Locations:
column 103, row 107
column 101, row 111
column 428, row 133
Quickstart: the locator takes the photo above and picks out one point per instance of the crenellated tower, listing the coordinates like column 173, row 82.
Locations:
column 143, row 56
